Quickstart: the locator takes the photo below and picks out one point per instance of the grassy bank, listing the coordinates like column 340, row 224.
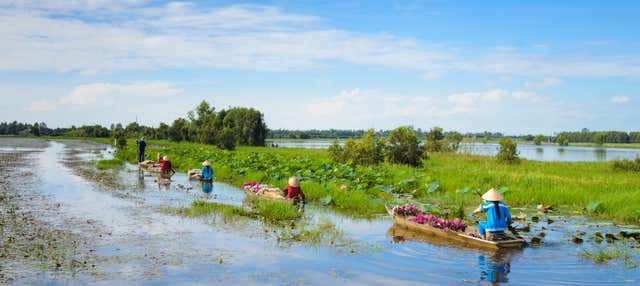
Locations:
column 271, row 211
column 443, row 180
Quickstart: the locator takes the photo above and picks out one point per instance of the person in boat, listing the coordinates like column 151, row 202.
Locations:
column 207, row 171
column 294, row 192
column 159, row 158
column 166, row 170
column 141, row 146
column 498, row 216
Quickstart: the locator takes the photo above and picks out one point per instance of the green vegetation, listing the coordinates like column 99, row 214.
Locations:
column 272, row 211
column 562, row 140
column 627, row 165
column 538, row 140
column 604, row 254
column 434, row 139
column 508, row 152
column 323, row 233
column 115, row 163
column 363, row 190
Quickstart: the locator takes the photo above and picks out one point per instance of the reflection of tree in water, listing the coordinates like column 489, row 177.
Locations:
column 539, row 150
column 601, row 154
column 494, row 268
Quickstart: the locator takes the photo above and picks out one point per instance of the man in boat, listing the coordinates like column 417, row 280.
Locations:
column 141, row 146
column 498, row 216
column 207, row 171
column 293, row 191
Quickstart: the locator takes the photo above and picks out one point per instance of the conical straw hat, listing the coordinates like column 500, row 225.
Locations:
column 294, row 182
column 206, row 163
column 492, row 195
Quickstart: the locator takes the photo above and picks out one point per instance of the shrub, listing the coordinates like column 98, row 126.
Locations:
column 364, row 152
column 434, row 140
column 453, row 141
column 627, row 165
column 403, row 147
column 508, row 152
column 538, row 140
column 562, row 140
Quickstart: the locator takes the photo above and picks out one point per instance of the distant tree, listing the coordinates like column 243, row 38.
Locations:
column 367, row 151
column 508, row 152
column 178, row 130
column 538, row 140
column 403, row 147
column 600, row 138
column 121, row 139
column 434, row 140
column 35, row 129
column 227, row 139
column 453, row 140
column 562, row 140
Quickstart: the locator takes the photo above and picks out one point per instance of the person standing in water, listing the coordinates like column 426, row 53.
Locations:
column 498, row 216
column 141, row 146
column 207, row 171
column 166, row 169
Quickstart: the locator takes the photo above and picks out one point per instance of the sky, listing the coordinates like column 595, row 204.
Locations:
column 505, row 66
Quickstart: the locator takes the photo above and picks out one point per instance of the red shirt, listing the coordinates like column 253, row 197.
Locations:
column 166, row 166
column 294, row 192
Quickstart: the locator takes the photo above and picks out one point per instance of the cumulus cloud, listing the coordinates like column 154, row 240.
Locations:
column 357, row 107
column 142, row 35
column 620, row 99
column 544, row 83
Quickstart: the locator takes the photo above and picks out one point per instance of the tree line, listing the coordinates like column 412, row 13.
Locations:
column 225, row 128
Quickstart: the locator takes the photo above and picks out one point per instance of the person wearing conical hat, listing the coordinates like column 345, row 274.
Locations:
column 498, row 216
column 293, row 191
column 166, row 169
column 207, row 171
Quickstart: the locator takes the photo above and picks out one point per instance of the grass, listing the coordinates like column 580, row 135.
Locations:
column 604, row 254
column 113, row 164
column 272, row 211
column 323, row 233
column 366, row 189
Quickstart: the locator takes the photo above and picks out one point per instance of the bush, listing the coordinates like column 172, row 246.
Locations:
column 453, row 141
column 121, row 140
column 508, row 152
column 403, row 147
column 434, row 140
column 562, row 140
column 538, row 140
column 364, row 152
column 627, row 165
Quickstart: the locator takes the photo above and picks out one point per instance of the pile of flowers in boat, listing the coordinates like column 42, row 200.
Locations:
column 415, row 214
column 259, row 188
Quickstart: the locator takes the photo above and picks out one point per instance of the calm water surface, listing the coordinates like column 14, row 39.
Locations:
column 530, row 152
column 188, row 250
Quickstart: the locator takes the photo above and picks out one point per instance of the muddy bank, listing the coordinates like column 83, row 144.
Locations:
column 28, row 243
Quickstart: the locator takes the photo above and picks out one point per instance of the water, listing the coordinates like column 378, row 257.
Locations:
column 530, row 152
column 147, row 246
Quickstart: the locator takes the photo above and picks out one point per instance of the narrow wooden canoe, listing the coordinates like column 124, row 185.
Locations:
column 267, row 194
column 463, row 239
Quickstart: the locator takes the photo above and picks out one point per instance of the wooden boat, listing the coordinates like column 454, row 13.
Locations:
column 267, row 193
column 149, row 165
column 467, row 239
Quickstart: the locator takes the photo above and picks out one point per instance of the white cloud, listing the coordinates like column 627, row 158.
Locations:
column 544, row 83
column 620, row 99
column 106, row 94
column 136, row 35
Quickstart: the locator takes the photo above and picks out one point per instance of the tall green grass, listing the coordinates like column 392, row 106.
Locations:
column 115, row 163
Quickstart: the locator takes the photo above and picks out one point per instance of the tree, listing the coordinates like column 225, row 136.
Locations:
column 453, row 141
column 227, row 139
column 600, row 138
column 367, row 151
column 538, row 140
column 434, row 138
column 562, row 140
column 35, row 130
column 121, row 139
column 403, row 147
column 508, row 152
column 178, row 130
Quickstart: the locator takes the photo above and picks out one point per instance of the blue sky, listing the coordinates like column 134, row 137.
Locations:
column 509, row 66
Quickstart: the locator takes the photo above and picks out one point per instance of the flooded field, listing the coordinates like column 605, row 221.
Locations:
column 119, row 232
column 530, row 152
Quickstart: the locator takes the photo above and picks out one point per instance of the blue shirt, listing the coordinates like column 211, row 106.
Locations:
column 207, row 172
column 495, row 222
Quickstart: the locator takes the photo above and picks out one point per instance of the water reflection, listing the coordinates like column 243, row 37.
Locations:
column 207, row 187
column 494, row 268
column 600, row 154
column 539, row 150
column 140, row 184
